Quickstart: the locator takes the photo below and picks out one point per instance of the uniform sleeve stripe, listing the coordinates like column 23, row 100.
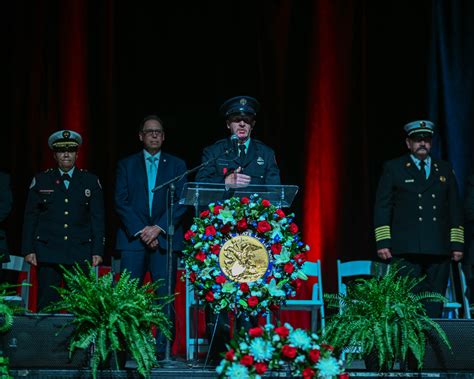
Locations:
column 384, row 227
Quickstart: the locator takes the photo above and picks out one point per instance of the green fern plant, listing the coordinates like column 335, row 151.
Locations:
column 382, row 316
column 113, row 317
column 7, row 310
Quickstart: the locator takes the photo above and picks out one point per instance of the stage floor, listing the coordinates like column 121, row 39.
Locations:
column 198, row 373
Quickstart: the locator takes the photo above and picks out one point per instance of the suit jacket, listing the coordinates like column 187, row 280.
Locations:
column 132, row 205
column 260, row 163
column 417, row 216
column 64, row 225
column 5, row 208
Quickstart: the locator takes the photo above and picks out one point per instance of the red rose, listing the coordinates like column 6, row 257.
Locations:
column 327, row 347
column 225, row 229
column 314, row 355
column 269, row 278
column 192, row 277
column 200, row 256
column 274, row 307
column 263, row 227
column 301, row 258
column 296, row 284
column 308, row 373
column 210, row 296
column 244, row 200
column 276, row 248
column 247, row 360
column 217, row 209
column 230, row 355
column 215, row 249
column 252, row 301
column 282, row 331
column 344, row 375
column 210, row 231
column 265, row 203
column 256, row 332
column 204, row 214
column 289, row 268
column 288, row 351
column 242, row 225
column 293, row 228
column 188, row 235
column 280, row 213
column 220, row 279
column 244, row 287
column 260, row 367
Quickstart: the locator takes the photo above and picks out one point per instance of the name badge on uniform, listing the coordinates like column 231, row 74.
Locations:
column 260, row 161
column 409, row 180
column 87, row 192
column 442, row 179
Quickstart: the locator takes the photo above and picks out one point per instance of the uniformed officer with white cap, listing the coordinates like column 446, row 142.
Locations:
column 418, row 213
column 64, row 217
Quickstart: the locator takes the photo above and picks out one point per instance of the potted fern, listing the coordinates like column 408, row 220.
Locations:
column 383, row 319
column 113, row 317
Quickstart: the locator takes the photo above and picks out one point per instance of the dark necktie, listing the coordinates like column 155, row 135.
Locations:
column 242, row 153
column 422, row 169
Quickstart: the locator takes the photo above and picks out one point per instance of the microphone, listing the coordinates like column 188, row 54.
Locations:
column 235, row 144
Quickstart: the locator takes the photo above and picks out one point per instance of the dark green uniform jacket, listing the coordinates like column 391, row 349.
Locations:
column 64, row 225
column 417, row 216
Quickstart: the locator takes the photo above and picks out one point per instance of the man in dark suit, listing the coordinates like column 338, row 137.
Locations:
column 142, row 236
column 5, row 208
column 418, row 214
column 254, row 163
column 64, row 217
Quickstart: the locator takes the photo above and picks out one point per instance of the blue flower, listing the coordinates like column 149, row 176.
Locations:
column 328, row 367
column 261, row 350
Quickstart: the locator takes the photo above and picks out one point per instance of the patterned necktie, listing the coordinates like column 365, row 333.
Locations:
column 66, row 178
column 152, row 171
column 242, row 153
column 423, row 169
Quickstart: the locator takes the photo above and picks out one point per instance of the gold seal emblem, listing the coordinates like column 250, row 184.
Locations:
column 243, row 259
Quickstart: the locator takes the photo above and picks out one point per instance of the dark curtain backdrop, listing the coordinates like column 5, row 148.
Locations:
column 337, row 81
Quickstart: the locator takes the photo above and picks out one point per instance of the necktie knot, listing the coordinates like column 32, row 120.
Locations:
column 65, row 177
column 241, row 150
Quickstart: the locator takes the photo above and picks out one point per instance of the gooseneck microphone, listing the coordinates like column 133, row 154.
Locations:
column 235, row 144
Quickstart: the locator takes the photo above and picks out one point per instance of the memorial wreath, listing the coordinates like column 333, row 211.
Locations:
column 244, row 255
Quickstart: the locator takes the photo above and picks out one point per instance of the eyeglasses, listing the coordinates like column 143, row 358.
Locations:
column 149, row 132
column 237, row 119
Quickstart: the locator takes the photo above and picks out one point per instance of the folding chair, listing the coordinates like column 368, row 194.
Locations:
column 357, row 268
column 452, row 306
column 316, row 303
column 18, row 264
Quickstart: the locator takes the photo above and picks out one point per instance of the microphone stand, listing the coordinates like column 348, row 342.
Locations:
column 170, row 233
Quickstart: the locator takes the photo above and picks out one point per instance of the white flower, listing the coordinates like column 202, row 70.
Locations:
column 237, row 371
column 328, row 367
column 300, row 358
column 261, row 349
column 243, row 346
column 220, row 368
column 300, row 338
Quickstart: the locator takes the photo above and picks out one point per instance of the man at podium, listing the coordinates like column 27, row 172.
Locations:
column 239, row 160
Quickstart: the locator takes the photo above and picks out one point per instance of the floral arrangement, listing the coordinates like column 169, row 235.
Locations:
column 258, row 218
column 260, row 349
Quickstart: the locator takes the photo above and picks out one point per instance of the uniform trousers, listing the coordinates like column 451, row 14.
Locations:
column 435, row 268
